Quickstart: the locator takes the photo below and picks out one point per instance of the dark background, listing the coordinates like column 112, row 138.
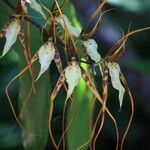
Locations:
column 135, row 65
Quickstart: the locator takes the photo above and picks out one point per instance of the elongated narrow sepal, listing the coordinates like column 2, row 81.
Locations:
column 36, row 6
column 114, row 71
column 72, row 75
column 58, row 61
column 11, row 35
column 46, row 54
column 58, row 85
column 91, row 48
column 24, row 7
column 65, row 21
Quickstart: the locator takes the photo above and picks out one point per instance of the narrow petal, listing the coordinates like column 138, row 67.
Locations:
column 65, row 21
column 72, row 75
column 114, row 71
column 11, row 35
column 46, row 54
column 91, row 48
column 23, row 5
column 36, row 6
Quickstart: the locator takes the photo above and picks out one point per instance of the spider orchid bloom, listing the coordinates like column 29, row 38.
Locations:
column 36, row 6
column 72, row 75
column 11, row 34
column 64, row 21
column 114, row 68
column 46, row 54
column 91, row 49
column 114, row 71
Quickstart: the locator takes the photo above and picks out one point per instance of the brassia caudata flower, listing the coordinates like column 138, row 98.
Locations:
column 64, row 21
column 46, row 54
column 91, row 49
column 36, row 6
column 11, row 34
column 114, row 68
column 72, row 75
column 114, row 71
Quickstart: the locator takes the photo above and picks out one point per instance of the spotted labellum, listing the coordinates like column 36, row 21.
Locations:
column 72, row 75
column 11, row 34
column 64, row 21
column 114, row 71
column 91, row 49
column 46, row 54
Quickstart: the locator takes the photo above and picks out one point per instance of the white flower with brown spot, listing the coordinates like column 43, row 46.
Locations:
column 64, row 21
column 46, row 54
column 114, row 68
column 114, row 71
column 72, row 75
column 11, row 34
column 91, row 49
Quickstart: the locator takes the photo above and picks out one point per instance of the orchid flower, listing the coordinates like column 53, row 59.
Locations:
column 64, row 21
column 46, row 54
column 11, row 34
column 36, row 6
column 114, row 68
column 114, row 71
column 91, row 48
column 72, row 75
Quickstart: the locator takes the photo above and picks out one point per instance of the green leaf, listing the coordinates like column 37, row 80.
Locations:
column 35, row 114
column 79, row 132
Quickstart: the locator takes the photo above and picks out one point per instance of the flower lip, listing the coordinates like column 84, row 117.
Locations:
column 72, row 75
column 46, row 54
column 91, row 49
column 63, row 20
column 114, row 71
column 11, row 34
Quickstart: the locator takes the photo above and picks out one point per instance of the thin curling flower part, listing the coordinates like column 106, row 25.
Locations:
column 64, row 21
column 72, row 75
column 23, row 6
column 114, row 71
column 36, row 6
column 46, row 54
column 91, row 48
column 11, row 34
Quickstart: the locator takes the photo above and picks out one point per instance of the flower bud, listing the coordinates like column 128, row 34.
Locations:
column 65, row 21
